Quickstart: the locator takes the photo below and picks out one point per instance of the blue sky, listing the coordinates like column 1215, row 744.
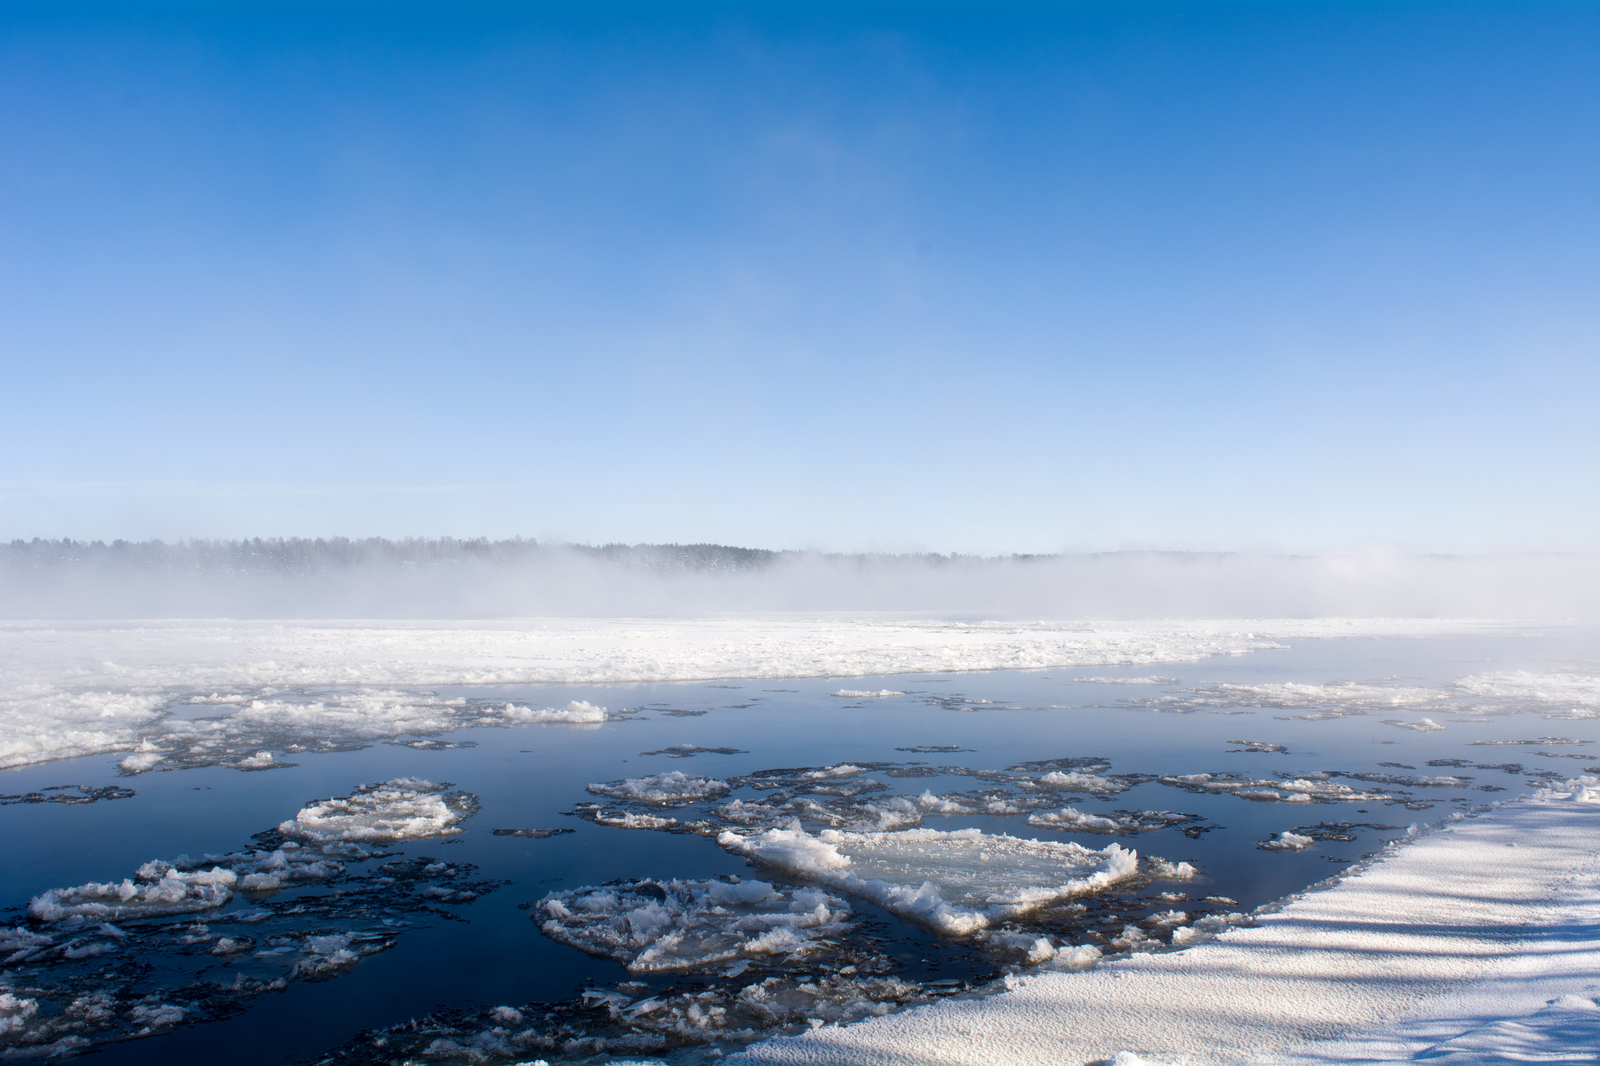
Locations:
column 980, row 277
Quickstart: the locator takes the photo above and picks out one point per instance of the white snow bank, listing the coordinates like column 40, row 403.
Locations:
column 79, row 688
column 666, row 926
column 957, row 883
column 403, row 809
column 670, row 789
column 1460, row 946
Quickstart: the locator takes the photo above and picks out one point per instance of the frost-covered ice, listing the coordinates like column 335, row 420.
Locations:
column 1122, row 823
column 670, row 789
column 1077, row 781
column 668, row 926
column 954, row 882
column 1474, row 944
column 69, row 689
column 159, row 893
column 857, row 694
column 403, row 809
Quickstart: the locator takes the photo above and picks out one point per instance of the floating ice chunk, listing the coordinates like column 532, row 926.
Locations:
column 261, row 760
column 15, row 1014
column 828, row 773
column 139, row 762
column 1153, row 680
column 954, row 882
column 629, row 820
column 671, row 789
column 941, row 804
column 172, row 893
column 1163, row 870
column 1072, row 818
column 155, row 1016
column 402, row 809
column 1077, row 781
column 667, row 926
column 1427, row 725
column 1287, row 841
column 857, row 694
column 578, row 712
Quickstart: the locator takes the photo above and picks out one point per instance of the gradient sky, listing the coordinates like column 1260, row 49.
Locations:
column 978, row 277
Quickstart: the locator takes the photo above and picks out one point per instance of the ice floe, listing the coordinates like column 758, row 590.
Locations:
column 670, row 789
column 154, row 894
column 1286, row 841
column 954, row 882
column 402, row 809
column 576, row 712
column 667, row 926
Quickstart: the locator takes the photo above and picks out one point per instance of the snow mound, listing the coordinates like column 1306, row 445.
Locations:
column 403, row 809
column 957, row 883
column 669, row 926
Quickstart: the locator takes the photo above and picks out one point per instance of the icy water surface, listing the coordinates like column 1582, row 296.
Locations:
column 716, row 862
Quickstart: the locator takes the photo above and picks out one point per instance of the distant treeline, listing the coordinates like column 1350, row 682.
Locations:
column 295, row 556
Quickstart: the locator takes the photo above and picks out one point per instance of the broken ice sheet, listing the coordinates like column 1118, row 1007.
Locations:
column 953, row 882
column 71, row 795
column 671, row 789
column 193, row 940
column 666, row 926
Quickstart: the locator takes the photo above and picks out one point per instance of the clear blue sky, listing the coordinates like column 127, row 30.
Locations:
column 976, row 277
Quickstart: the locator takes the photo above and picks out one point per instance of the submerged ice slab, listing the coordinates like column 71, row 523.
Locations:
column 667, row 926
column 954, row 882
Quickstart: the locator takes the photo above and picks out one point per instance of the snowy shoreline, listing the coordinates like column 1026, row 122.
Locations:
column 1477, row 942
column 80, row 688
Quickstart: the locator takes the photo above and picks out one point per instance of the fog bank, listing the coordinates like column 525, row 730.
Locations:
column 447, row 579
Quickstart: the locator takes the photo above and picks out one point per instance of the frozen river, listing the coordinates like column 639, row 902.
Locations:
column 704, row 863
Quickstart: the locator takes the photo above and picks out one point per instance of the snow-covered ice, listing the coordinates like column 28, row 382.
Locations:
column 1475, row 943
column 667, row 926
column 954, row 882
column 670, row 789
column 77, row 688
column 382, row 813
